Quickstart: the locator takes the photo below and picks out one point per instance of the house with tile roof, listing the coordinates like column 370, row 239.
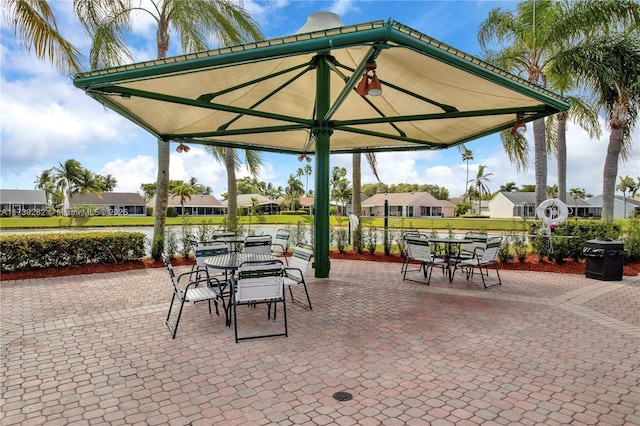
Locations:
column 106, row 204
column 266, row 205
column 197, row 205
column 523, row 205
column 632, row 208
column 407, row 204
column 22, row 202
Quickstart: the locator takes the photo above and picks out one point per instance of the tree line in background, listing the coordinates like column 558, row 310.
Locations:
column 72, row 178
column 588, row 51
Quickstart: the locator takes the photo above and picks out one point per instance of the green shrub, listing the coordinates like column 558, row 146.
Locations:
column 520, row 247
column 372, row 239
column 397, row 237
column 358, row 241
column 185, row 233
column 299, row 233
column 31, row 251
column 504, row 253
column 341, row 238
column 632, row 240
column 386, row 243
column 568, row 239
column 171, row 242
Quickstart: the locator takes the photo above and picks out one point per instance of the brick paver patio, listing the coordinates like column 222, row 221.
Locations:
column 541, row 349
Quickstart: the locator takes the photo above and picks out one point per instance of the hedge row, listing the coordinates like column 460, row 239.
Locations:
column 31, row 251
column 569, row 239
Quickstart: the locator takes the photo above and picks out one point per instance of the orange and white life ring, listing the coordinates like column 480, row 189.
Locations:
column 552, row 212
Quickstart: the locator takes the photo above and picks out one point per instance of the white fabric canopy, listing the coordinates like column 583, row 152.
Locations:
column 263, row 95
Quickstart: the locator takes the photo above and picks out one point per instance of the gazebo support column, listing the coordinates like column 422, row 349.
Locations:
column 322, row 196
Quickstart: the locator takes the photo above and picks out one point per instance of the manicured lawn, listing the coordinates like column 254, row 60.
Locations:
column 421, row 223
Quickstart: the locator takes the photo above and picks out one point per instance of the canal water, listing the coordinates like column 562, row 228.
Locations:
column 148, row 231
column 298, row 234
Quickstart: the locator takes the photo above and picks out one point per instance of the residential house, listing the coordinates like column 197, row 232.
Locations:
column 197, row 205
column 106, row 204
column 22, row 202
column 407, row 204
column 632, row 206
column 307, row 203
column 523, row 205
column 266, row 205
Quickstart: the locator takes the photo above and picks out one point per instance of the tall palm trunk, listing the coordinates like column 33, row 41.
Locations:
column 610, row 171
column 466, row 191
column 232, row 190
column 562, row 157
column 162, row 199
column 164, row 150
column 357, row 183
column 540, row 156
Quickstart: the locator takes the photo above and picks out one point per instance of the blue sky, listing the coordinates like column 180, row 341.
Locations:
column 46, row 120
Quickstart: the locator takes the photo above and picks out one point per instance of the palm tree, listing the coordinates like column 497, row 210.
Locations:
column 183, row 190
column 533, row 36
column 68, row 177
column 46, row 182
column 294, row 189
column 509, row 187
column 342, row 192
column 196, row 22
column 109, row 183
column 626, row 184
column 356, row 176
column 575, row 194
column 34, row 23
column 308, row 171
column 581, row 111
column 480, row 184
column 552, row 191
column 608, row 66
column 299, row 173
column 467, row 155
column 231, row 159
column 90, row 183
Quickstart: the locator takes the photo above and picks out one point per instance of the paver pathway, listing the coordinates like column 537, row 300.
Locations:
column 540, row 349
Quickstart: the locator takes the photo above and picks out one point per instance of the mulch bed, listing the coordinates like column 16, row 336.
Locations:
column 531, row 264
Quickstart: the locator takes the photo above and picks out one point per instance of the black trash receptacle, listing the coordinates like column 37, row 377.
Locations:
column 605, row 259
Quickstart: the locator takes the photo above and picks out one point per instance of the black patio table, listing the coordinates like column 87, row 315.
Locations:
column 448, row 244
column 232, row 261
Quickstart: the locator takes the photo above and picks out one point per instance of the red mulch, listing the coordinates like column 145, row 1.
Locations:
column 531, row 264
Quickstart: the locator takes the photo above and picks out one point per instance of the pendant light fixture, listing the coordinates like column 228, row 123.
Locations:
column 366, row 87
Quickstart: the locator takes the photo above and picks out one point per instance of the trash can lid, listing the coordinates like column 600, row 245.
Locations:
column 605, row 243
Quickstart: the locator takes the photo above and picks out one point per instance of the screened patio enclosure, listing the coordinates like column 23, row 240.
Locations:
column 305, row 95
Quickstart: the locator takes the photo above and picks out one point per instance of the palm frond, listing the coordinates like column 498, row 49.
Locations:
column 551, row 134
column 517, row 149
column 36, row 27
column 583, row 113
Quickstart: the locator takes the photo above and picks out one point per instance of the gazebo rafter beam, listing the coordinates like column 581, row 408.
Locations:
column 206, row 97
column 116, row 90
column 351, row 82
column 267, row 96
column 236, row 132
column 437, row 116
column 386, row 83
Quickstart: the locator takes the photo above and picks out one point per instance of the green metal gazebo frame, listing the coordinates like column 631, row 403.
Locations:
column 297, row 95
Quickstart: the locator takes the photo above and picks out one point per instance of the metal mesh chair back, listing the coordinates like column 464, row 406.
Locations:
column 258, row 244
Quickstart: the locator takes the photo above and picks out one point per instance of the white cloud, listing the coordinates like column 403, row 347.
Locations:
column 342, row 7
column 130, row 173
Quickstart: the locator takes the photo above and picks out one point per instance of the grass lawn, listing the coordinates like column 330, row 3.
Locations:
column 109, row 221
